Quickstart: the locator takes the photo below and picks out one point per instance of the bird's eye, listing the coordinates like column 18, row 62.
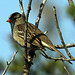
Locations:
column 14, row 18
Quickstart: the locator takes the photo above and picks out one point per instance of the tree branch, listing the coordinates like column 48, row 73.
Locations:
column 25, row 40
column 66, row 68
column 21, row 7
column 28, row 9
column 8, row 63
column 71, row 3
column 67, row 45
column 40, row 12
column 52, row 58
column 60, row 34
column 26, row 66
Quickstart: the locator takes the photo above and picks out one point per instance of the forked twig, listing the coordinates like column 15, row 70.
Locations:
column 8, row 63
column 67, row 45
column 52, row 58
column 26, row 70
column 56, row 59
column 26, row 67
column 60, row 34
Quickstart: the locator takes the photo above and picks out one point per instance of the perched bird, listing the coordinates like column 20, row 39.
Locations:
column 36, row 39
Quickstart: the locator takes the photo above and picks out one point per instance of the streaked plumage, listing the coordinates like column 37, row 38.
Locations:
column 35, row 37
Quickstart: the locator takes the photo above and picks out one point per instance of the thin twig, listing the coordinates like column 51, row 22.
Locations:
column 67, row 45
column 8, row 63
column 71, row 3
column 25, row 40
column 45, row 32
column 26, row 28
column 28, row 9
column 40, row 12
column 52, row 58
column 60, row 34
column 26, row 24
column 21, row 7
column 25, row 34
column 26, row 67
column 66, row 68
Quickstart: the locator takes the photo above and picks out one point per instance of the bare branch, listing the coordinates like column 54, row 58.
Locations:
column 26, row 26
column 28, row 9
column 25, row 34
column 60, row 34
column 26, row 67
column 71, row 3
column 40, row 12
column 67, row 45
column 52, row 58
column 25, row 40
column 21, row 7
column 56, row 59
column 8, row 63
column 66, row 68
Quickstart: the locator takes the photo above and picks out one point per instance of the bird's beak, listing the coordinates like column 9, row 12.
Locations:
column 8, row 20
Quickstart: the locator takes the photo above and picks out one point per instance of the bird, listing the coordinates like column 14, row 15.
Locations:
column 36, row 39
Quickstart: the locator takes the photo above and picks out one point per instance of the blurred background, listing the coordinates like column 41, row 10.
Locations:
column 41, row 65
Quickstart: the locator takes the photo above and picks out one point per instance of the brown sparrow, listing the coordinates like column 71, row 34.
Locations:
column 36, row 39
